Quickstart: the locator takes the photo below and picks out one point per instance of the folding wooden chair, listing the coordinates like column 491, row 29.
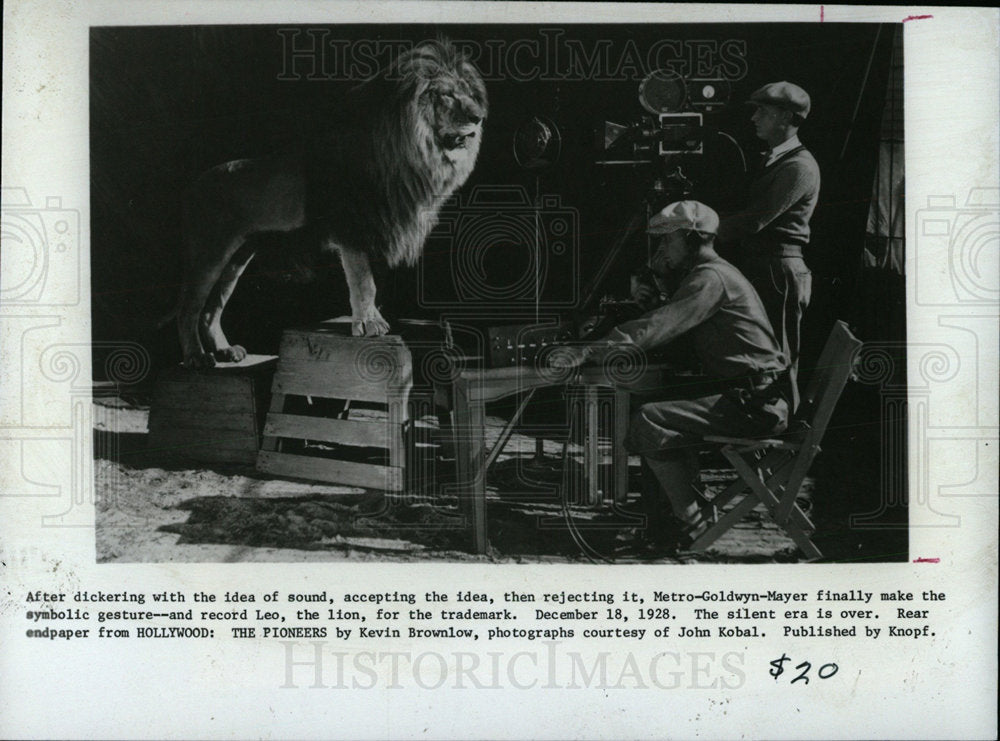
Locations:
column 771, row 470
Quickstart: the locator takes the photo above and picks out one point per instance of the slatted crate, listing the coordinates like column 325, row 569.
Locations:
column 214, row 415
column 339, row 408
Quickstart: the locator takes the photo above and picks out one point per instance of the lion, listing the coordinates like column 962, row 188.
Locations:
column 371, row 186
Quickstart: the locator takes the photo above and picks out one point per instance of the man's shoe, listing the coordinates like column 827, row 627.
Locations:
column 695, row 528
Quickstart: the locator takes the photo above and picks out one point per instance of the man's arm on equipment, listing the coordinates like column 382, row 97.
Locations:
column 697, row 298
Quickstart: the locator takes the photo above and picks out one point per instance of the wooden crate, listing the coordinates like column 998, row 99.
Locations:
column 338, row 409
column 214, row 415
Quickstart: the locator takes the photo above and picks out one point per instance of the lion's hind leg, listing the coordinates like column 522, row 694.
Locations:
column 194, row 292
column 194, row 311
column 210, row 324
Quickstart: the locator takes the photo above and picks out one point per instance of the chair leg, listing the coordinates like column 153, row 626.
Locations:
column 775, row 461
column 804, row 543
column 724, row 523
column 760, row 491
column 765, row 495
column 765, row 488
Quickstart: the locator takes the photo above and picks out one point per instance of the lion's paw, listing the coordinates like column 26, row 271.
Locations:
column 370, row 326
column 199, row 361
column 233, row 354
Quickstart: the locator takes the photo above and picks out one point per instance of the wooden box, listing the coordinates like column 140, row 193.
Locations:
column 214, row 415
column 338, row 409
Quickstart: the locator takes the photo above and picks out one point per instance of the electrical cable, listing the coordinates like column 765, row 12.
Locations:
column 591, row 553
column 743, row 156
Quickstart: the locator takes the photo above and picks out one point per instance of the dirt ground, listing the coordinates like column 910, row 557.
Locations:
column 153, row 507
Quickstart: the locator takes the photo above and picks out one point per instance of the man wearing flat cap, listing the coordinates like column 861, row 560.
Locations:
column 745, row 390
column 773, row 227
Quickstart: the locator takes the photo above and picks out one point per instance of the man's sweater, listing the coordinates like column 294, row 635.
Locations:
column 783, row 195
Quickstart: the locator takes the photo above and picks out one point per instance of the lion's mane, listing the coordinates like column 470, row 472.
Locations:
column 378, row 176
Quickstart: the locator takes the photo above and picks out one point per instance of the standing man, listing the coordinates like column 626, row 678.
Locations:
column 747, row 390
column 773, row 228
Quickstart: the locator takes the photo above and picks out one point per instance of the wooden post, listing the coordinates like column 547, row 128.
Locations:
column 592, row 445
column 470, row 455
column 618, row 452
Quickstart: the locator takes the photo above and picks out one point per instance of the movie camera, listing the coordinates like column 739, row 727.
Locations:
column 669, row 140
column 675, row 126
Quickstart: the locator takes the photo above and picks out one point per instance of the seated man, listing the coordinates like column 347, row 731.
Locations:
column 746, row 391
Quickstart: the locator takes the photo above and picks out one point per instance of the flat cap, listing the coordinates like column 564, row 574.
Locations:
column 783, row 95
column 689, row 215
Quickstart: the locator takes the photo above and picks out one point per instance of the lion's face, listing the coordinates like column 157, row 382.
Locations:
column 427, row 119
column 456, row 113
column 450, row 98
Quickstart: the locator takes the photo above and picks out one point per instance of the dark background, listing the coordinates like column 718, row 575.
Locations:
column 169, row 102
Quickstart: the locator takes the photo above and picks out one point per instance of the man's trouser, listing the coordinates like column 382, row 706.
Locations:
column 668, row 434
column 785, row 288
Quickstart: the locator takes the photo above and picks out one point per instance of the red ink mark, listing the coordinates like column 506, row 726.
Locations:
column 927, row 560
column 916, row 18
column 821, row 13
